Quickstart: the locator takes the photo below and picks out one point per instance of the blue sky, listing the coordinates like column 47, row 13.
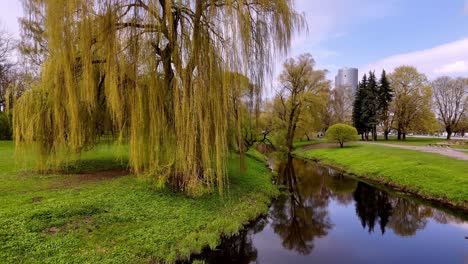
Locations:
column 374, row 34
column 368, row 34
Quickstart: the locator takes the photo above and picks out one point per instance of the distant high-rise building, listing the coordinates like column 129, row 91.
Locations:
column 346, row 82
column 347, row 78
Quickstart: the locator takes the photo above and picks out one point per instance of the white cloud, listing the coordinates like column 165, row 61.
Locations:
column 456, row 67
column 447, row 59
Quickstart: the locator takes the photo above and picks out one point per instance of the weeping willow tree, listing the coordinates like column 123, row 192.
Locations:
column 302, row 89
column 156, row 74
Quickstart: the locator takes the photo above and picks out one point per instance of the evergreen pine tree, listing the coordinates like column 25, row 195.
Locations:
column 371, row 105
column 368, row 105
column 385, row 98
column 358, row 121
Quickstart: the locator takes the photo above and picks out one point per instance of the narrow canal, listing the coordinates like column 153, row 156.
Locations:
column 326, row 217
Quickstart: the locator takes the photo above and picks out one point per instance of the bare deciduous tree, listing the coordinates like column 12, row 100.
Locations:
column 33, row 45
column 6, row 47
column 451, row 101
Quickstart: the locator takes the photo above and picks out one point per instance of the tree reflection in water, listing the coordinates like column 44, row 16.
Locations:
column 408, row 216
column 235, row 249
column 402, row 215
column 372, row 205
column 302, row 214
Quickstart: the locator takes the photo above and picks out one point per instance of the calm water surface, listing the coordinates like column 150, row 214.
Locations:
column 329, row 218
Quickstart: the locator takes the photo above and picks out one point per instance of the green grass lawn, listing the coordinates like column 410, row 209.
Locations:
column 427, row 174
column 303, row 143
column 413, row 141
column 60, row 218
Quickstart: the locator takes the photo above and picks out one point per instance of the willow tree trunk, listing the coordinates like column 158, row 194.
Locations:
column 292, row 122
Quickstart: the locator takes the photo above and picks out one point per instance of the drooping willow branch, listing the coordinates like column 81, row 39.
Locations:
column 156, row 73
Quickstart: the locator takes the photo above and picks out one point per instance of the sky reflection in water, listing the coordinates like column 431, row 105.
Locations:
column 329, row 218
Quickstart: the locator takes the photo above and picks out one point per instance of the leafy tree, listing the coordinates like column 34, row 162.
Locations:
column 412, row 101
column 385, row 98
column 267, row 123
column 157, row 69
column 341, row 133
column 451, row 101
column 313, row 118
column 243, row 94
column 300, row 84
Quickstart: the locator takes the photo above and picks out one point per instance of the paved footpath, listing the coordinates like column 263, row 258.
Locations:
column 450, row 152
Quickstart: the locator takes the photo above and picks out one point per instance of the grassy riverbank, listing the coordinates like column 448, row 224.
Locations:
column 428, row 175
column 112, row 217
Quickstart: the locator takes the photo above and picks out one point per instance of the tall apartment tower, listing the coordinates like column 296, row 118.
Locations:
column 347, row 78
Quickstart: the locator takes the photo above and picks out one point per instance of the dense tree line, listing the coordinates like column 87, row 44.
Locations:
column 406, row 102
column 371, row 105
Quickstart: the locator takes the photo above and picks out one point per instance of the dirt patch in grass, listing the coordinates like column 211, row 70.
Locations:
column 52, row 230
column 71, row 180
column 58, row 180
column 85, row 223
column 37, row 199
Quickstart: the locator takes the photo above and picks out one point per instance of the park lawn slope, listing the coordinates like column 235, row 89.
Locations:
column 303, row 143
column 428, row 175
column 118, row 219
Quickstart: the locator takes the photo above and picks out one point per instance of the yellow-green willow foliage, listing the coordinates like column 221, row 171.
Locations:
column 155, row 73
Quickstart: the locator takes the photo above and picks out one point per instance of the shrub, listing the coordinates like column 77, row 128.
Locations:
column 341, row 133
column 5, row 126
